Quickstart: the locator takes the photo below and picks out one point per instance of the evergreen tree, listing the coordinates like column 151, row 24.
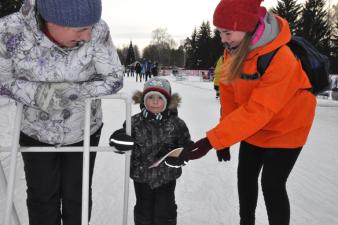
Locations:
column 217, row 47
column 314, row 25
column 177, row 56
column 334, row 50
column 203, row 51
column 333, row 21
column 289, row 10
column 190, row 47
column 333, row 15
column 9, row 6
column 130, row 55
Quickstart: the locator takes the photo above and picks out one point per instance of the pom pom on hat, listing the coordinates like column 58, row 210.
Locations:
column 237, row 15
column 70, row 13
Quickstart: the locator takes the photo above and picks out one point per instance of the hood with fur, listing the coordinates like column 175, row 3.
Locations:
column 173, row 102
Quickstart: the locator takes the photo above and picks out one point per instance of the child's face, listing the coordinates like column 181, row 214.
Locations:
column 231, row 38
column 69, row 36
column 154, row 103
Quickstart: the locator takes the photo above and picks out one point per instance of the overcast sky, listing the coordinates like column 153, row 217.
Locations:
column 134, row 20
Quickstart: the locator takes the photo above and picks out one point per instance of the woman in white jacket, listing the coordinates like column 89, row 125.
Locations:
column 53, row 55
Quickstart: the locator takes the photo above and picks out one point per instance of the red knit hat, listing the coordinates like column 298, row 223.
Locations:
column 237, row 15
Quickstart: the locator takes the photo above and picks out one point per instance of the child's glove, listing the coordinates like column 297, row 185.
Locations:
column 193, row 151
column 175, row 162
column 121, row 141
column 223, row 154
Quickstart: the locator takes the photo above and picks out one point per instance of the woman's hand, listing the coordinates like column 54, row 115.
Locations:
column 223, row 154
column 194, row 151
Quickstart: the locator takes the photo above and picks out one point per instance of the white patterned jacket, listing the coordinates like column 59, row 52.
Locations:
column 52, row 82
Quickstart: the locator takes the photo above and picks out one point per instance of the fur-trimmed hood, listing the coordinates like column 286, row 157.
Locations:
column 173, row 102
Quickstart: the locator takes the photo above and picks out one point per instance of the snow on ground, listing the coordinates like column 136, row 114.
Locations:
column 206, row 193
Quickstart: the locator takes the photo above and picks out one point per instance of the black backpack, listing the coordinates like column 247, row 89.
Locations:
column 315, row 64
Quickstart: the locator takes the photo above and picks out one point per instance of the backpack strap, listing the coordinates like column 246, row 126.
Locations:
column 262, row 64
column 264, row 61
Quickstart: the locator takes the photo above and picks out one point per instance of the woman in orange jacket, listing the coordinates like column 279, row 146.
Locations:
column 269, row 115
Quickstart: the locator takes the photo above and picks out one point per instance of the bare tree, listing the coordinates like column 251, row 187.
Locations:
column 161, row 36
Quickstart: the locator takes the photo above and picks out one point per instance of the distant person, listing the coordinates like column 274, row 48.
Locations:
column 211, row 73
column 132, row 70
column 127, row 70
column 148, row 66
column 334, row 91
column 53, row 55
column 204, row 76
column 175, row 71
column 138, row 71
column 156, row 130
column 154, row 69
column 271, row 115
column 144, row 67
column 217, row 74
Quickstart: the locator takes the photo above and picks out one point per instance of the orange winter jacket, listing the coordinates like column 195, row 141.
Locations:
column 274, row 111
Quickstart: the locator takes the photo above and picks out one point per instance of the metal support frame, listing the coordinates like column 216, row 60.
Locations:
column 3, row 186
column 86, row 149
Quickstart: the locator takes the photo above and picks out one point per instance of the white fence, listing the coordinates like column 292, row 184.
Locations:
column 10, row 211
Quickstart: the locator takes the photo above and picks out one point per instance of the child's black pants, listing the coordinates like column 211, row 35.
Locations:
column 155, row 206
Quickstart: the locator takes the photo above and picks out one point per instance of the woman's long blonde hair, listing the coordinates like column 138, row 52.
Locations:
column 233, row 66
